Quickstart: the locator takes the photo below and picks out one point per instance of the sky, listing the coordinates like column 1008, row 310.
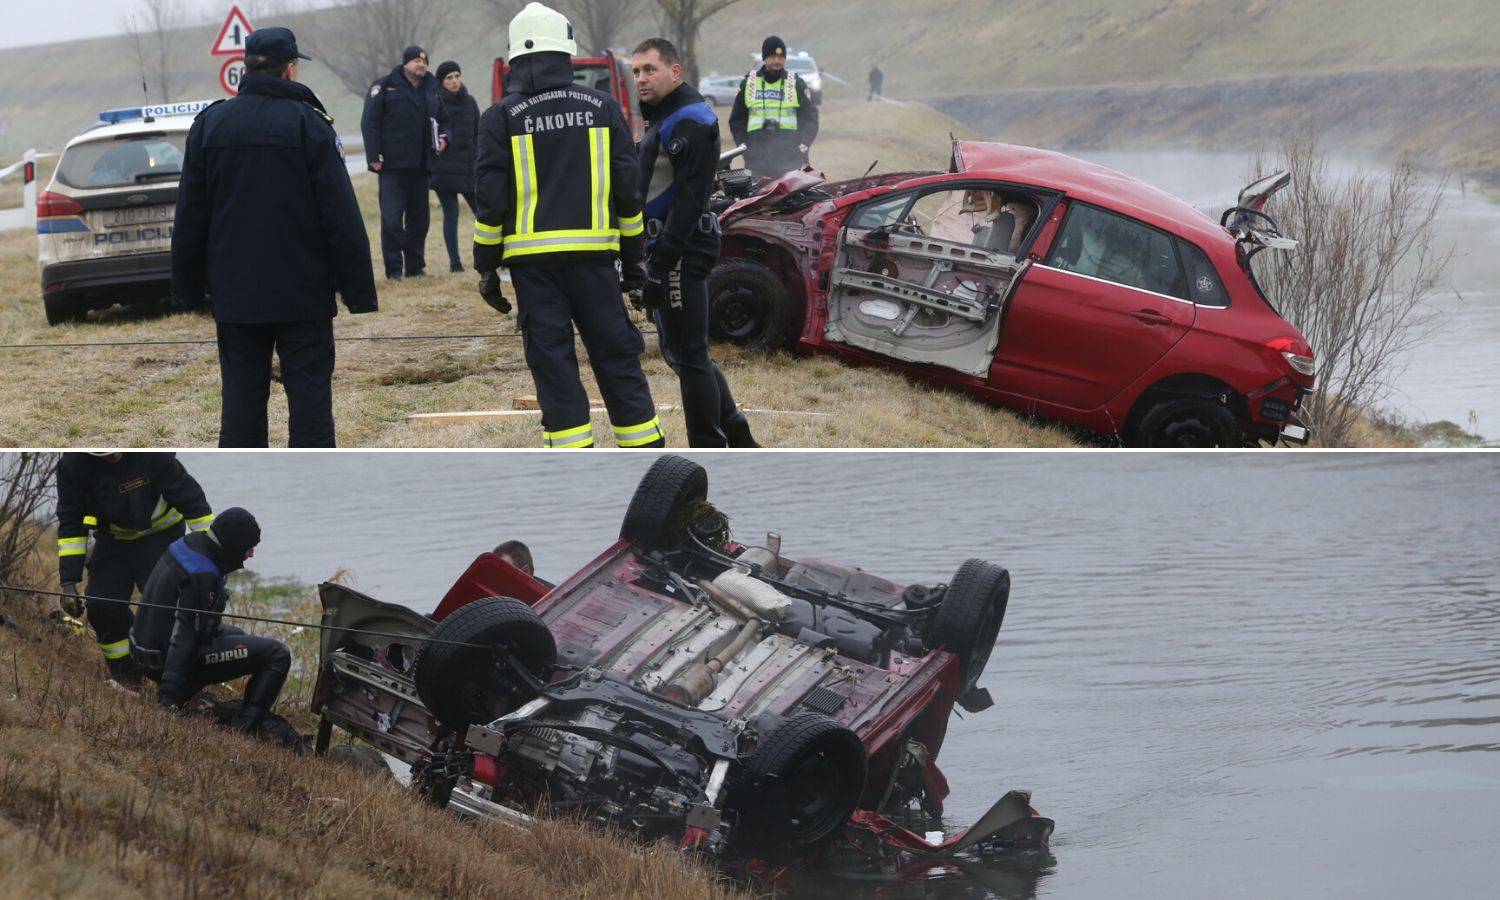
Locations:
column 46, row 21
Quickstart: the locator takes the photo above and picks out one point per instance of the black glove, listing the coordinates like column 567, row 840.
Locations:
column 72, row 603
column 632, row 278
column 654, row 294
column 489, row 289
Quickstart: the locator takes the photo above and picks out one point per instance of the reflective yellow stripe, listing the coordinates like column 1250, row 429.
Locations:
column 117, row 650
column 160, row 523
column 566, row 241
column 582, row 436
column 90, row 522
column 762, row 110
column 201, row 523
column 523, row 152
column 599, row 176
column 488, row 235
column 630, row 226
column 639, row 435
column 75, row 546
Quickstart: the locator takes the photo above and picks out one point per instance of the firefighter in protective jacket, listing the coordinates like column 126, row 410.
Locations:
column 135, row 504
column 558, row 202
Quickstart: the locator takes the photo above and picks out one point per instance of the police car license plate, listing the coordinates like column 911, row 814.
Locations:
column 138, row 215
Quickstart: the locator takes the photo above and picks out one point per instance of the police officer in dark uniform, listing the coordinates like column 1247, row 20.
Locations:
column 558, row 202
column 679, row 156
column 404, row 127
column 774, row 115
column 136, row 504
column 179, row 640
column 267, row 225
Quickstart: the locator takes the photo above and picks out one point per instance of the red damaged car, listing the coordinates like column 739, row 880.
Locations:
column 763, row 710
column 1030, row 279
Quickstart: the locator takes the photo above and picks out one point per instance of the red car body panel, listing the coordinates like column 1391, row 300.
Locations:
column 1073, row 348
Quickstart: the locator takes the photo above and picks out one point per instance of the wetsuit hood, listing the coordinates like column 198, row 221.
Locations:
column 683, row 95
column 231, row 536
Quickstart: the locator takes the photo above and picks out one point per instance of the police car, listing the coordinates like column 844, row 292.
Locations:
column 104, row 223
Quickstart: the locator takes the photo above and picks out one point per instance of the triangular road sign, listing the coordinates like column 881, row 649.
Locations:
column 231, row 39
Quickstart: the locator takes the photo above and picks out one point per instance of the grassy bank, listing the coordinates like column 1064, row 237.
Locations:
column 104, row 794
column 169, row 395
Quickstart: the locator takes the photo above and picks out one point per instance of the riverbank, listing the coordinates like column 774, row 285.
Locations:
column 103, row 793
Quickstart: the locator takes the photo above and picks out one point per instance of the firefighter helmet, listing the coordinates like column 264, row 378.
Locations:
column 539, row 29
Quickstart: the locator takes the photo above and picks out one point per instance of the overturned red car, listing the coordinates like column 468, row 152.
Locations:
column 761, row 710
column 1032, row 280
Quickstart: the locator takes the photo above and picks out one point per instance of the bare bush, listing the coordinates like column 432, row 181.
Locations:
column 26, row 489
column 1358, row 283
column 156, row 28
column 360, row 40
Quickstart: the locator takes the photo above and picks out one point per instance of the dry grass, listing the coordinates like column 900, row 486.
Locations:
column 102, row 793
column 169, row 396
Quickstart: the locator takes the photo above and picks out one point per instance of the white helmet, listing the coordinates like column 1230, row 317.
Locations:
column 539, row 29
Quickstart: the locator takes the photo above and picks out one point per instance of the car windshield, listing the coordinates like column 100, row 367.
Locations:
column 124, row 161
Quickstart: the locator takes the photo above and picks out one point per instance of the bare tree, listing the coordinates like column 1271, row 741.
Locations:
column 360, row 40
column 156, row 28
column 25, row 491
column 1358, row 283
column 681, row 19
column 601, row 23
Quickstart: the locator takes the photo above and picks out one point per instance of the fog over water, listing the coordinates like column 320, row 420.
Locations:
column 1221, row 674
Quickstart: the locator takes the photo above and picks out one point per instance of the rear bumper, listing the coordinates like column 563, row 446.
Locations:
column 111, row 279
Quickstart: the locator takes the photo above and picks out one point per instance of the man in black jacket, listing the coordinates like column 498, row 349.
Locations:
column 559, row 203
column 404, row 127
column 179, row 640
column 679, row 156
column 136, row 504
column 774, row 115
column 267, row 225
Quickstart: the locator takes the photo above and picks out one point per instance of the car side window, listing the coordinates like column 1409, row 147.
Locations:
column 1103, row 245
column 1204, row 286
column 885, row 211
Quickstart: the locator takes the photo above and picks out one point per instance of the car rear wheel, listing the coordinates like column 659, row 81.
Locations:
column 968, row 620
column 799, row 787
column 1189, row 422
column 655, row 511
column 62, row 308
column 459, row 672
column 749, row 306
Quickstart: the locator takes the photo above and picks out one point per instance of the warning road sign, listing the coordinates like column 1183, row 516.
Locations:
column 231, row 39
column 230, row 74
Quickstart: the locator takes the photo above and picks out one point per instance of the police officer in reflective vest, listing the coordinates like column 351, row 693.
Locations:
column 558, row 203
column 179, row 640
column 774, row 116
column 136, row 504
column 679, row 156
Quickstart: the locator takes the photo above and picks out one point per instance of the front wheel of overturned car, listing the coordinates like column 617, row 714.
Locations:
column 968, row 620
column 749, row 306
column 1188, row 422
column 462, row 672
column 653, row 519
column 798, row 788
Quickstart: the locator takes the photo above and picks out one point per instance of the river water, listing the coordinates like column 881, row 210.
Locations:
column 1455, row 372
column 1221, row 674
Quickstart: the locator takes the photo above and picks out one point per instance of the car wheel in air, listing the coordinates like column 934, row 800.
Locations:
column 968, row 619
column 748, row 306
column 1189, row 422
column 460, row 674
column 652, row 519
column 799, row 787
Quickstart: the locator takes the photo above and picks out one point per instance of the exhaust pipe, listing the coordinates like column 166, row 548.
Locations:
column 697, row 681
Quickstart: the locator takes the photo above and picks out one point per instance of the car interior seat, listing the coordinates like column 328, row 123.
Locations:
column 995, row 237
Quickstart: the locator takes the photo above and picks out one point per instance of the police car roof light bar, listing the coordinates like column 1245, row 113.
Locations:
column 151, row 113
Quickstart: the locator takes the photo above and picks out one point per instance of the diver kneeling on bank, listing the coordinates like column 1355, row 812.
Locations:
column 178, row 639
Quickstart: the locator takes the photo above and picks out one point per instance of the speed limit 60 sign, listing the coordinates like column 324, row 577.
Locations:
column 230, row 74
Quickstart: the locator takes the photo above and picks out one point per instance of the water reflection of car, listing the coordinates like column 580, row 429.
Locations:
column 687, row 685
column 104, row 222
column 1031, row 280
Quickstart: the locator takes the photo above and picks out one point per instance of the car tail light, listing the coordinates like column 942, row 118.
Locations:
column 1297, row 355
column 53, row 204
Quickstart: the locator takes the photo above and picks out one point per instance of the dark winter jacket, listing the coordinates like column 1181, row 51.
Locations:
column 397, row 123
column 453, row 169
column 141, row 493
column 267, row 224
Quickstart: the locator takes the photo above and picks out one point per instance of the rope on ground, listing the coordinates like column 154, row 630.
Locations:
column 204, row 341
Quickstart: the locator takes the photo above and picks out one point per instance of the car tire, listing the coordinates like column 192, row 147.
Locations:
column 1188, row 422
column 968, row 619
column 62, row 308
column 457, row 672
column 749, row 306
column 670, row 484
column 799, row 787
